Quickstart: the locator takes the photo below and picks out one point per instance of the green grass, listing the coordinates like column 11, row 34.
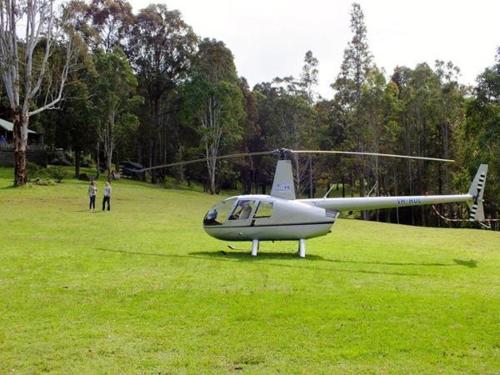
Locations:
column 143, row 289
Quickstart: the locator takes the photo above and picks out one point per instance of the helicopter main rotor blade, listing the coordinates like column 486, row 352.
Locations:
column 222, row 157
column 283, row 151
column 358, row 153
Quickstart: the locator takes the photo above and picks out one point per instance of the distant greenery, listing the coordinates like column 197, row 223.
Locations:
column 142, row 289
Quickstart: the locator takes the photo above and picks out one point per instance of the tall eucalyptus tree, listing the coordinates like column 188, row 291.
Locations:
column 25, row 65
column 214, row 102
column 161, row 47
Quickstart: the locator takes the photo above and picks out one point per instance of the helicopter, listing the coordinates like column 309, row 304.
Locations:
column 280, row 216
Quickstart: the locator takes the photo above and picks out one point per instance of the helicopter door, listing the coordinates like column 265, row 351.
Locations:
column 263, row 213
column 243, row 212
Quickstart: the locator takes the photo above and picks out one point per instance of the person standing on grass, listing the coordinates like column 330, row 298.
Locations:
column 92, row 195
column 107, row 196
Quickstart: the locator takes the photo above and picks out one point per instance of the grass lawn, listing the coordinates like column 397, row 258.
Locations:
column 142, row 289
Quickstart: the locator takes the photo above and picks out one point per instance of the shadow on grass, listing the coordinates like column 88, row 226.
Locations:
column 471, row 263
column 245, row 257
column 222, row 256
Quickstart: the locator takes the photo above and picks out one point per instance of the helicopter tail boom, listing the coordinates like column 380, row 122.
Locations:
column 373, row 203
column 474, row 199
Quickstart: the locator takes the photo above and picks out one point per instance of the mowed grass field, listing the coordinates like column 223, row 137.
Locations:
column 142, row 289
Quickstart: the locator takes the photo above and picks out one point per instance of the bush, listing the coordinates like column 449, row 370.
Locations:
column 32, row 169
column 39, row 175
column 43, row 182
column 57, row 173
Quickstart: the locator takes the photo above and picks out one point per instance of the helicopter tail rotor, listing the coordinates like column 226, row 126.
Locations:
column 477, row 190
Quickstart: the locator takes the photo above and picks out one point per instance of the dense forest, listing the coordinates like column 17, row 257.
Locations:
column 145, row 87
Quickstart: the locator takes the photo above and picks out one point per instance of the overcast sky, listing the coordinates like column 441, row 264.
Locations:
column 270, row 37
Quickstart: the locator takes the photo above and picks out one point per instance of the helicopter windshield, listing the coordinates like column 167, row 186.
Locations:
column 218, row 214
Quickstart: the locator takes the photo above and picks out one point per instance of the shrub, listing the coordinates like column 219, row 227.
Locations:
column 43, row 181
column 40, row 176
column 32, row 169
column 57, row 173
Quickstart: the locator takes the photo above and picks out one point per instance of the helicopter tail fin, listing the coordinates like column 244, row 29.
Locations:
column 283, row 186
column 477, row 190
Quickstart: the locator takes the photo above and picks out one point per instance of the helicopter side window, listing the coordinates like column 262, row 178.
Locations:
column 264, row 210
column 243, row 210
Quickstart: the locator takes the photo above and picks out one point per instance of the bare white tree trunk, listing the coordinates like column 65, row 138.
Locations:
column 108, row 141
column 212, row 127
column 22, row 86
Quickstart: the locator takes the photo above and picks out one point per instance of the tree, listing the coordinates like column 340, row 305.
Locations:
column 114, row 99
column 309, row 77
column 287, row 119
column 429, row 110
column 356, row 64
column 161, row 48
column 25, row 63
column 479, row 139
column 107, row 23
column 251, row 140
column 214, row 102
column 348, row 86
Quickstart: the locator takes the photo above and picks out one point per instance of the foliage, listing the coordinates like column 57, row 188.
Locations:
column 161, row 48
column 40, row 175
column 115, row 97
column 213, row 102
column 479, row 139
column 309, row 76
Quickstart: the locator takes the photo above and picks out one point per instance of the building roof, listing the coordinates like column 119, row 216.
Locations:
column 9, row 126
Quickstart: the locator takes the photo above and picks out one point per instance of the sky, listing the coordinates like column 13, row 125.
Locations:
column 269, row 38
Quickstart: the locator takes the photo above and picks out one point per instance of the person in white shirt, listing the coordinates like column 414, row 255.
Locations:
column 107, row 196
column 92, row 195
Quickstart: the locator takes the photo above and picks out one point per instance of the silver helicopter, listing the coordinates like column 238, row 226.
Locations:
column 280, row 216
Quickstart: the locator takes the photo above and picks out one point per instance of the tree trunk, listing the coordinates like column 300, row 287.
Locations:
column 311, row 192
column 212, row 183
column 20, row 146
column 298, row 175
column 98, row 161
column 78, row 159
column 212, row 168
column 362, row 190
column 109, row 163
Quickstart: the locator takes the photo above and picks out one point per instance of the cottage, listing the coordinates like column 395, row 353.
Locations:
column 36, row 149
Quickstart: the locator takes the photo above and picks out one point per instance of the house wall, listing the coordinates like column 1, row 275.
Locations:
column 35, row 156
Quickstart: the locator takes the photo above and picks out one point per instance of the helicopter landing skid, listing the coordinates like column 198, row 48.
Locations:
column 255, row 247
column 235, row 248
column 301, row 250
